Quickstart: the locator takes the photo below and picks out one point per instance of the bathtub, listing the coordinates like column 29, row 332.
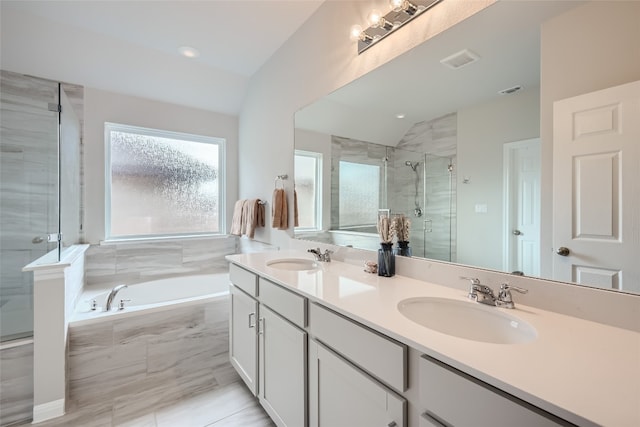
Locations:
column 150, row 296
column 172, row 339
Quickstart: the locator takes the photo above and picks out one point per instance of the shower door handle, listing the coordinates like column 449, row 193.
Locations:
column 37, row 239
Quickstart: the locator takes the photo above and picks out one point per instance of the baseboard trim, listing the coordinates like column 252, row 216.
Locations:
column 47, row 411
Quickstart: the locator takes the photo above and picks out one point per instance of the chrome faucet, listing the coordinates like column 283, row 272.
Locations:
column 480, row 293
column 320, row 256
column 484, row 294
column 112, row 295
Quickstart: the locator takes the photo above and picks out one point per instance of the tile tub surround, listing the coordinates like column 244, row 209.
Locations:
column 580, row 370
column 16, row 383
column 135, row 364
column 134, row 262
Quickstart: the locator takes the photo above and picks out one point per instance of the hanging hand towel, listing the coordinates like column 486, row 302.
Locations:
column 279, row 209
column 250, row 217
column 236, row 222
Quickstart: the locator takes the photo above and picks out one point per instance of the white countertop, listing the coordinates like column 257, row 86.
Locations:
column 585, row 372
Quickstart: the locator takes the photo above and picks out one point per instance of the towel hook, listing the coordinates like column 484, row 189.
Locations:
column 280, row 178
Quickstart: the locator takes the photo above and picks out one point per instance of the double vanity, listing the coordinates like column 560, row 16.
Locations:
column 326, row 344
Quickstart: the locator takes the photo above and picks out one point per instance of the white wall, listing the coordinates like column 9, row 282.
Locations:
column 482, row 132
column 318, row 59
column 576, row 61
column 101, row 107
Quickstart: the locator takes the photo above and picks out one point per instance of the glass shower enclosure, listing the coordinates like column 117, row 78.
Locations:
column 39, row 188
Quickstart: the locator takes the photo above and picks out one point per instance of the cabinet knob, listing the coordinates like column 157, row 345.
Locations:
column 392, row 424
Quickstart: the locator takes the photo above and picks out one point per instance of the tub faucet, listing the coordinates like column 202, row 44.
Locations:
column 112, row 295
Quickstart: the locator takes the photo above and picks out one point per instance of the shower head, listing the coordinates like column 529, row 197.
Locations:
column 412, row 165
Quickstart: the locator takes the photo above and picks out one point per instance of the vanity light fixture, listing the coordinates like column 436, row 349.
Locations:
column 381, row 25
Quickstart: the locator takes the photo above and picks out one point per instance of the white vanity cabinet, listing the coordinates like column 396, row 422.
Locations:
column 350, row 367
column 268, row 345
column 449, row 397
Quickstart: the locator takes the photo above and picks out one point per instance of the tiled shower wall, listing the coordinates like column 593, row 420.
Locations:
column 432, row 142
column 125, row 262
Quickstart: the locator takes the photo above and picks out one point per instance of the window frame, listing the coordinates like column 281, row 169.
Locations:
column 318, row 196
column 181, row 136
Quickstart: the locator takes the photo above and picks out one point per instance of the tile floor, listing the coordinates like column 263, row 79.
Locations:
column 229, row 406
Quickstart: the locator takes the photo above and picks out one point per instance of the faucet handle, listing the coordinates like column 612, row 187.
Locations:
column 504, row 296
column 506, row 287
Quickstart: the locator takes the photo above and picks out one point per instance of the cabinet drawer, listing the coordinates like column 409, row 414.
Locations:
column 284, row 302
column 245, row 280
column 452, row 398
column 381, row 356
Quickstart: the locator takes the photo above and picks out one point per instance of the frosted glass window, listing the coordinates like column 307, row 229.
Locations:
column 163, row 183
column 308, row 178
column 359, row 194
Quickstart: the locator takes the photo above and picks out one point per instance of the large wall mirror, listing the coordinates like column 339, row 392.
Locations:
column 457, row 135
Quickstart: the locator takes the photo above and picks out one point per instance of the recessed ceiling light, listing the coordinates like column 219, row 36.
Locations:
column 400, row 116
column 189, row 52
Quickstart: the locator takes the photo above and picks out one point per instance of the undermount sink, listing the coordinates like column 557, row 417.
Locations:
column 293, row 264
column 466, row 319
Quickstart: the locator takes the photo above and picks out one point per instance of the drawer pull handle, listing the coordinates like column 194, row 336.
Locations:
column 252, row 320
column 433, row 420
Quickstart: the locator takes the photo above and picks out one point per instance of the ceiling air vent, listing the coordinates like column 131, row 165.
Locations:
column 510, row 90
column 460, row 59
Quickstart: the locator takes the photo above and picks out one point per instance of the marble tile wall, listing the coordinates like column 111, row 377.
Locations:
column 126, row 262
column 16, row 383
column 134, row 365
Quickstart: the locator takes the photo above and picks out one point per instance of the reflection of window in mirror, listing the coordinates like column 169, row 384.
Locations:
column 359, row 196
column 308, row 179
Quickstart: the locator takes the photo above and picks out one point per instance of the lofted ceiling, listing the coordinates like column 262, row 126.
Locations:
column 133, row 46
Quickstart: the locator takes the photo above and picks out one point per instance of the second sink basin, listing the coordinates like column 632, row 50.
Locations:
column 467, row 320
column 293, row 264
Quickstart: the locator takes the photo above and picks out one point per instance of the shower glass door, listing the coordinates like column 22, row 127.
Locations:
column 28, row 192
column 423, row 189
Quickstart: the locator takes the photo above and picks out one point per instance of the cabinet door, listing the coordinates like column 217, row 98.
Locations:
column 243, row 337
column 283, row 369
column 341, row 395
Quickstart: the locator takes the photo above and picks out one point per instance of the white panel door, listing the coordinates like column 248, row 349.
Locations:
column 596, row 175
column 522, row 207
